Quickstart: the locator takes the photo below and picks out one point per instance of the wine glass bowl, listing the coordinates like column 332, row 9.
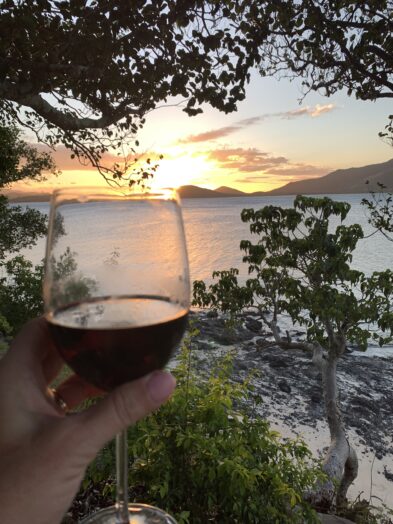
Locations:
column 116, row 298
column 116, row 287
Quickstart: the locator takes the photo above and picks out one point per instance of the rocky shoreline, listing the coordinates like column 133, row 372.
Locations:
column 290, row 386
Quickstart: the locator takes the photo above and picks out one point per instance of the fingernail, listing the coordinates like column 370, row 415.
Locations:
column 160, row 386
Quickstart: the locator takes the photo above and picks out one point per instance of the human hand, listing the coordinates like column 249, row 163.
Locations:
column 43, row 452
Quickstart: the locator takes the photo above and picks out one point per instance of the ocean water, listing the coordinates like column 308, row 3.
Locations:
column 214, row 231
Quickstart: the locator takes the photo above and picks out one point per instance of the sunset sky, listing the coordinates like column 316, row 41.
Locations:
column 271, row 140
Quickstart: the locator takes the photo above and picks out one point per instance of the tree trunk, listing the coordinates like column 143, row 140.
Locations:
column 340, row 463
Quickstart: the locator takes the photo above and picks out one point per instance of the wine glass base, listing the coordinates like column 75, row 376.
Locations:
column 139, row 514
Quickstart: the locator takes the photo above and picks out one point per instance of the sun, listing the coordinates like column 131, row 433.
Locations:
column 180, row 171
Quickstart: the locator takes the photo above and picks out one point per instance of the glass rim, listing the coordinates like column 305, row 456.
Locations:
column 88, row 193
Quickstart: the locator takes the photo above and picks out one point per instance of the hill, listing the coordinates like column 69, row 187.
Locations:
column 21, row 197
column 342, row 181
column 230, row 191
column 201, row 192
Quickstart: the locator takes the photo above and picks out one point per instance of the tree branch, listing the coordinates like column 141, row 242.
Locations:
column 64, row 120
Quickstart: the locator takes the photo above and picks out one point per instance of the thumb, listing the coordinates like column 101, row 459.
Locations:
column 123, row 407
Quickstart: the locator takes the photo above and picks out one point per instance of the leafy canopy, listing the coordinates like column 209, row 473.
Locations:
column 331, row 44
column 86, row 73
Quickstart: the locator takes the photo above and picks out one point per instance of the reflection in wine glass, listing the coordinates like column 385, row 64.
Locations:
column 116, row 299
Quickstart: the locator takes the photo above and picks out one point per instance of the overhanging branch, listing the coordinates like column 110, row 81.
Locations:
column 65, row 120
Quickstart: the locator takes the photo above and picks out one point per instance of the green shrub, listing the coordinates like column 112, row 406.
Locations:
column 204, row 459
column 20, row 293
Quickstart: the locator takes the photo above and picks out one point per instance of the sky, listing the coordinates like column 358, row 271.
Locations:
column 276, row 136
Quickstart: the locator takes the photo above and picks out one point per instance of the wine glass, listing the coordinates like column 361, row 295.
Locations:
column 116, row 295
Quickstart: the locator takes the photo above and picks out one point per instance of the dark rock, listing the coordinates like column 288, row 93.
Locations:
column 263, row 343
column 388, row 474
column 284, row 386
column 364, row 403
column 278, row 363
column 211, row 314
column 253, row 325
column 332, row 519
column 316, row 395
column 202, row 346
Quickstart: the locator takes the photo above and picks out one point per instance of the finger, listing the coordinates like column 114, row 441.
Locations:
column 75, row 390
column 30, row 348
column 51, row 365
column 121, row 408
column 33, row 349
column 33, row 341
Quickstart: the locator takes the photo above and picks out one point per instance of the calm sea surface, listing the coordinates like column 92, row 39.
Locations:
column 214, row 231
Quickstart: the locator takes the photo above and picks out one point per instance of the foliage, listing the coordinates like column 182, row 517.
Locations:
column 302, row 267
column 380, row 209
column 68, row 285
column 331, row 44
column 86, row 73
column 19, row 161
column 203, row 457
column 20, row 281
column 20, row 292
column 361, row 511
column 223, row 295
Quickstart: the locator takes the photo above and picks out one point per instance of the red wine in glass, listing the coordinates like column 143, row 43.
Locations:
column 107, row 351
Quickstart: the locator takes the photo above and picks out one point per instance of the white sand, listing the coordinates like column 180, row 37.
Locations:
column 371, row 483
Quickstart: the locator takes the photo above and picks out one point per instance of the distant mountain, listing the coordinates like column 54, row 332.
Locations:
column 342, row 181
column 345, row 181
column 200, row 192
column 20, row 197
column 230, row 191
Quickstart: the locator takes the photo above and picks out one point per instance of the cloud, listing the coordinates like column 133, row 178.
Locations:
column 253, row 120
column 62, row 157
column 210, row 135
column 220, row 132
column 300, row 169
column 245, row 160
column 314, row 112
column 259, row 166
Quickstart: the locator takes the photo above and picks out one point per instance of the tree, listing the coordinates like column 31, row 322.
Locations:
column 86, row 73
column 380, row 208
column 20, row 282
column 331, row 44
column 301, row 266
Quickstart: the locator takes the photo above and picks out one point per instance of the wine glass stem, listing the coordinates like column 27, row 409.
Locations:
column 122, row 478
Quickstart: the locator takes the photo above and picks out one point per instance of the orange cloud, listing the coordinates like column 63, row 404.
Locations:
column 245, row 160
column 220, row 132
column 64, row 162
column 210, row 135
column 315, row 111
column 289, row 173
